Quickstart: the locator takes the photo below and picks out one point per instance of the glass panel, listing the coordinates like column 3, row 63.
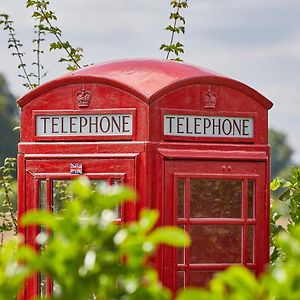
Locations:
column 180, row 251
column 216, row 243
column 250, row 243
column 95, row 183
column 43, row 200
column 251, row 195
column 200, row 278
column 180, row 279
column 61, row 194
column 212, row 198
column 43, row 285
column 118, row 208
column 56, row 289
column 180, row 198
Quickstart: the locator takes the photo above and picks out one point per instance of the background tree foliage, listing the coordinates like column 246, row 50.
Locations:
column 9, row 116
column 281, row 153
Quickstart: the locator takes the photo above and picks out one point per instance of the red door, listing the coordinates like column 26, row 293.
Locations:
column 46, row 188
column 221, row 206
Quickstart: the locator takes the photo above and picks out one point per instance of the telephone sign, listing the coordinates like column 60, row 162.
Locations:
column 209, row 126
column 84, row 125
column 193, row 143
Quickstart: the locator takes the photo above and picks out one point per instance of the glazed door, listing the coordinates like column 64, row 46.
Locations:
column 221, row 206
column 46, row 188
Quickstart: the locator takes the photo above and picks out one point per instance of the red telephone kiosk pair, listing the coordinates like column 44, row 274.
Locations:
column 193, row 143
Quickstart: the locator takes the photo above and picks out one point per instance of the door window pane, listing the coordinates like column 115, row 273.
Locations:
column 180, row 279
column 180, row 198
column 61, row 194
column 42, row 191
column 117, row 181
column 250, row 243
column 215, row 243
column 180, row 252
column 251, row 194
column 200, row 278
column 213, row 198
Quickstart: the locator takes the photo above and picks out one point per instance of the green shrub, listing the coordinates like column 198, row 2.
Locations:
column 89, row 256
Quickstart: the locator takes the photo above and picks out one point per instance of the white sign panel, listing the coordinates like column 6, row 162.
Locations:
column 208, row 126
column 84, row 125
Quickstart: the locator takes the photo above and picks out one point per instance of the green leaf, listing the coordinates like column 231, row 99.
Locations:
column 36, row 217
column 148, row 219
column 26, row 253
column 193, row 294
column 81, row 187
column 275, row 184
column 172, row 236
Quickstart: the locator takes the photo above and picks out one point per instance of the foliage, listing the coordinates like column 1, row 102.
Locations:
column 8, row 121
column 279, row 282
column 13, row 274
column 177, row 27
column 7, row 210
column 89, row 255
column 44, row 19
column 290, row 196
column 281, row 152
column 16, row 44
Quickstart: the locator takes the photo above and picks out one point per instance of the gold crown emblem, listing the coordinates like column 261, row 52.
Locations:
column 209, row 99
column 83, row 98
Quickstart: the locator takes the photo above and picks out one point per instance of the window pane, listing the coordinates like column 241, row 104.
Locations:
column 95, row 183
column 250, row 243
column 43, row 200
column 216, row 243
column 180, row 251
column 117, row 181
column 200, row 278
column 212, row 198
column 251, row 195
column 180, row 198
column 180, row 279
column 61, row 194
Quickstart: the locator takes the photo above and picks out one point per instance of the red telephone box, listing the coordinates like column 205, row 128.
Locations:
column 192, row 142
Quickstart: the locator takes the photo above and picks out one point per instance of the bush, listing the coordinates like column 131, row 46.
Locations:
column 89, row 256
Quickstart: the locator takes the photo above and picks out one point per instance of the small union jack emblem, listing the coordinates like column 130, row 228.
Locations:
column 76, row 168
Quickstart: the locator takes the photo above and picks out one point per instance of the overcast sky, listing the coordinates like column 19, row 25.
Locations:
column 254, row 41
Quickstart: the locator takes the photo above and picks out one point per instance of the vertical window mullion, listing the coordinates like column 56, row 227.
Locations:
column 245, row 217
column 187, row 228
column 49, row 201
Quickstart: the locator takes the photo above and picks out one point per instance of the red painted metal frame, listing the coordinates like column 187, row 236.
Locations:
column 51, row 169
column 148, row 89
column 260, row 256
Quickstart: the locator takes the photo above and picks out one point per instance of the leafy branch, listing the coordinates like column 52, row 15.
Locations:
column 14, row 43
column 177, row 27
column 45, row 18
column 7, row 214
column 40, row 33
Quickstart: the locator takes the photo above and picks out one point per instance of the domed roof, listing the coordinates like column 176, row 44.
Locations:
column 147, row 79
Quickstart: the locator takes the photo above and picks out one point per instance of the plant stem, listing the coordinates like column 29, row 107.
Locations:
column 38, row 55
column 173, row 33
column 19, row 54
column 58, row 38
column 7, row 199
